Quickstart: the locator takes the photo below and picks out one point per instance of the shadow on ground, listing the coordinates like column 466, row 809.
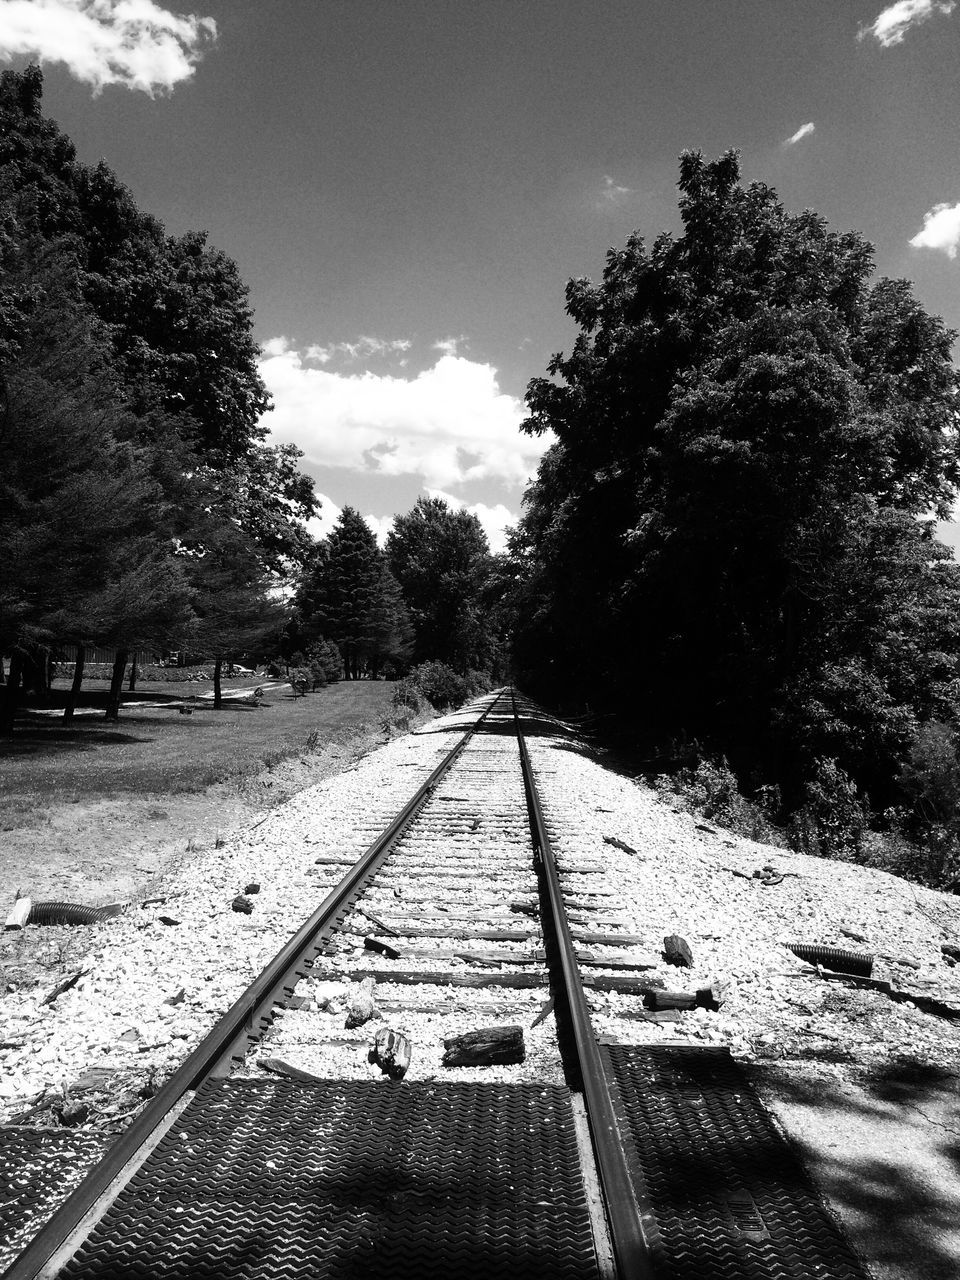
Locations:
column 883, row 1146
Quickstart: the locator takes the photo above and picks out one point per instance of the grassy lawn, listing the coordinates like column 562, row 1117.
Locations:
column 157, row 750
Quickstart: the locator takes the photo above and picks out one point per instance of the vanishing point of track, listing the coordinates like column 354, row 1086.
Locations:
column 637, row 1162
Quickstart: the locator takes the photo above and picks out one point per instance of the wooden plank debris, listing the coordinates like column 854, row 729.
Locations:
column 609, row 939
column 65, row 985
column 388, row 949
column 448, row 978
column 485, row 1047
column 280, row 1068
column 381, row 924
column 620, row 844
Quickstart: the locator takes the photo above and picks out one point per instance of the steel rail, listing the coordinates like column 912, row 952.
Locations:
column 215, row 1048
column 624, row 1215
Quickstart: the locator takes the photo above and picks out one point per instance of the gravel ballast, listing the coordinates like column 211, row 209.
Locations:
column 154, row 980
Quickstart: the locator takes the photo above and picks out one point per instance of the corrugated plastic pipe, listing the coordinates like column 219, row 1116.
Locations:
column 860, row 964
column 70, row 913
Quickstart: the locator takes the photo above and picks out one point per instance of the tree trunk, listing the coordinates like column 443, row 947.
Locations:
column 8, row 706
column 33, row 672
column 116, row 685
column 133, row 672
column 75, row 687
column 217, row 669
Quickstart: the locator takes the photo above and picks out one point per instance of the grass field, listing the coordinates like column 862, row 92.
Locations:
column 153, row 749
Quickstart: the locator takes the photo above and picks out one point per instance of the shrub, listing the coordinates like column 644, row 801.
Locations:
column 439, row 684
column 476, row 683
column 407, row 696
column 832, row 822
column 174, row 675
column 710, row 788
column 931, row 775
column 323, row 662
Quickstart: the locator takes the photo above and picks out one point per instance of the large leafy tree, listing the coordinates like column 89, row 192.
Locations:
column 748, row 429
column 441, row 559
column 176, row 315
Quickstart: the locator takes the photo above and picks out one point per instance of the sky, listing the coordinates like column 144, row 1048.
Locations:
column 407, row 185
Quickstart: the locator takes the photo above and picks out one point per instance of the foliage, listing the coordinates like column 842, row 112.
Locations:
column 347, row 594
column 931, row 774
column 439, row 684
column 324, row 662
column 729, row 540
column 441, row 559
column 130, row 409
column 711, row 789
column 84, row 529
column 924, row 837
column 476, row 683
column 174, row 312
column 833, row 821
column 408, row 696
column 232, row 605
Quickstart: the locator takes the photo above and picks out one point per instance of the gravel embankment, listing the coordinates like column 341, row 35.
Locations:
column 681, row 881
column 155, row 980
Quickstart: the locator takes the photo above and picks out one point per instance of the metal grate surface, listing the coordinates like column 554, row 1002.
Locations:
column 38, row 1170
column 354, row 1179
column 728, row 1196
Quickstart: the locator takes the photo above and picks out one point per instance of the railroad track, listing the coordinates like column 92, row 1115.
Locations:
column 276, row 1150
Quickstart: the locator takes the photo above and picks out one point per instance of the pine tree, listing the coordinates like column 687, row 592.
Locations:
column 87, row 550
column 337, row 597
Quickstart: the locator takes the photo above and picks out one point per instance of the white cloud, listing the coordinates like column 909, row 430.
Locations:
column 612, row 192
column 362, row 349
column 803, row 132
column 941, row 230
column 447, row 425
column 449, row 346
column 320, row 526
column 891, row 24
column 134, row 43
column 379, row 526
column 495, row 520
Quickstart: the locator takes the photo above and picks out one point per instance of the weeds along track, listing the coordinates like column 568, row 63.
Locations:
column 413, row 1085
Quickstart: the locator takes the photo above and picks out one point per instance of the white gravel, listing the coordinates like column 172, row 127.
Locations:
column 151, row 989
column 681, row 881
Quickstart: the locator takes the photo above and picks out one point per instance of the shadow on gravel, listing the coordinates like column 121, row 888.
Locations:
column 885, row 1151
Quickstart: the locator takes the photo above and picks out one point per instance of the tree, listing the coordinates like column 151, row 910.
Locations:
column 744, row 428
column 84, row 536
column 233, row 608
column 346, row 597
column 176, row 315
column 441, row 559
column 391, row 634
